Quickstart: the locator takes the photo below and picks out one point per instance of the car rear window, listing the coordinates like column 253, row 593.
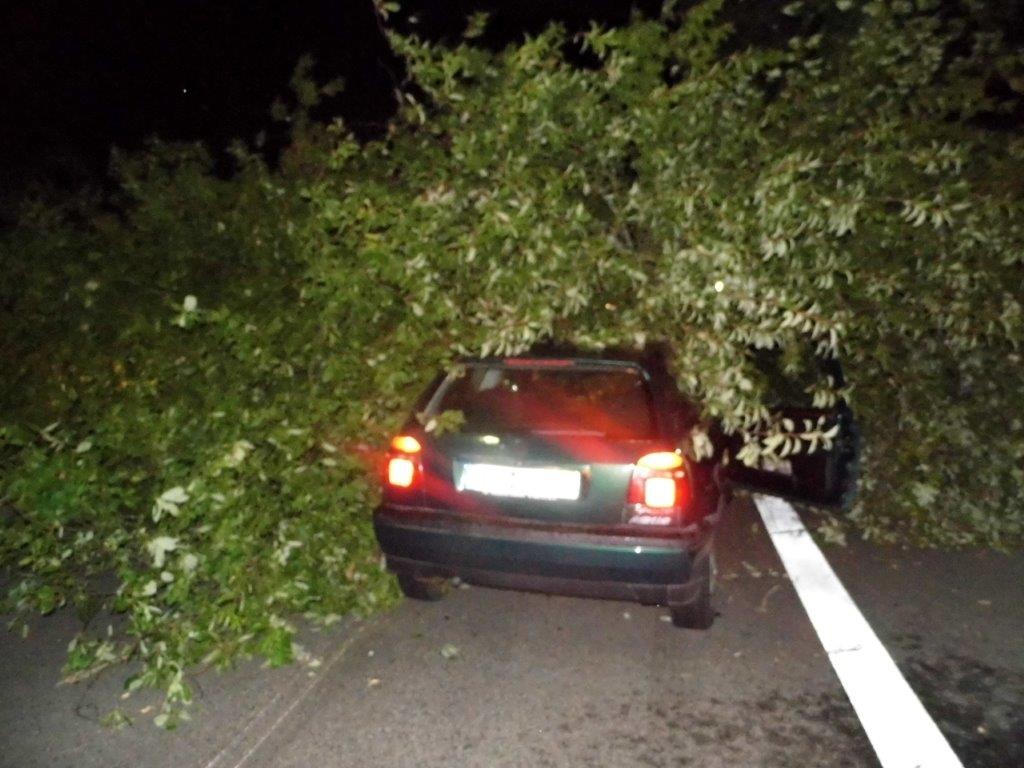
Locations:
column 608, row 402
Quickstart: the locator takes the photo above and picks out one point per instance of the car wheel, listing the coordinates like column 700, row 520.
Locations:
column 699, row 614
column 421, row 587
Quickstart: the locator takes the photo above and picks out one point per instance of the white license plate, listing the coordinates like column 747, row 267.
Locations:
column 520, row 482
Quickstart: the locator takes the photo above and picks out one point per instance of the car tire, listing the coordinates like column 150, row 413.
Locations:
column 421, row 587
column 698, row 614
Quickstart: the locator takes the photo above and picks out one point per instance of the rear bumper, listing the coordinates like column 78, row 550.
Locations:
column 614, row 562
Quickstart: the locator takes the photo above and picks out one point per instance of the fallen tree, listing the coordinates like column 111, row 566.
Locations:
column 189, row 383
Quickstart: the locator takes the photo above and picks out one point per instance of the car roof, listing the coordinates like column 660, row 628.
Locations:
column 651, row 359
column 538, row 361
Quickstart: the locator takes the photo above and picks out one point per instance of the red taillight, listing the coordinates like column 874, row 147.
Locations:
column 659, row 492
column 660, row 460
column 404, row 464
column 401, row 472
column 405, row 444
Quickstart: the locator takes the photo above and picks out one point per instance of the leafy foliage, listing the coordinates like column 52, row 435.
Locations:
column 170, row 425
column 832, row 199
column 189, row 383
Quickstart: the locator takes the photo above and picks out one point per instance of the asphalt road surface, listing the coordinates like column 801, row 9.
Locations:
column 534, row 680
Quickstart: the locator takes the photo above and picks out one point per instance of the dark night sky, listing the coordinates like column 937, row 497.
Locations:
column 84, row 76
column 80, row 77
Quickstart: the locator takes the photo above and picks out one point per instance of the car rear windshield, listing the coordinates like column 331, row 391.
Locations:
column 608, row 402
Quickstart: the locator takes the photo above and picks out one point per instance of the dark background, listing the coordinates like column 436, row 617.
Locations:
column 78, row 78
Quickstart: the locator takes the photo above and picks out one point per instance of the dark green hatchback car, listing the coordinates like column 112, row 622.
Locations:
column 565, row 477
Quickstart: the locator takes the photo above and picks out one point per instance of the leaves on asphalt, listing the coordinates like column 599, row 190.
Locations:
column 449, row 651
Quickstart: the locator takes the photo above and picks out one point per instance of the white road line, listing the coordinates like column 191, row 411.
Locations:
column 901, row 731
column 303, row 694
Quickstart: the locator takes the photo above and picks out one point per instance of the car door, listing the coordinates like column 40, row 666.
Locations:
column 825, row 477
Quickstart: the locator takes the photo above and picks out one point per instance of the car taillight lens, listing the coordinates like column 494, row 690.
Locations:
column 659, row 492
column 401, row 472
column 405, row 444
column 660, row 460
column 404, row 464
